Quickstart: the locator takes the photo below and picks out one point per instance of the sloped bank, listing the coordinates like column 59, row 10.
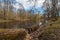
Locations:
column 51, row 34
column 12, row 34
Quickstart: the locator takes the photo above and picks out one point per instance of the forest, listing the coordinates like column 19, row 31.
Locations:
column 39, row 22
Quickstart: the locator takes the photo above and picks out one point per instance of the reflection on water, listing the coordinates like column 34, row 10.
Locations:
column 16, row 24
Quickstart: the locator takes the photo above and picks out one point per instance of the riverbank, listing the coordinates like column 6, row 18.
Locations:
column 22, row 20
column 1, row 20
column 51, row 33
column 12, row 34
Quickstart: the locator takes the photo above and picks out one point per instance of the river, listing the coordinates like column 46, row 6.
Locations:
column 16, row 24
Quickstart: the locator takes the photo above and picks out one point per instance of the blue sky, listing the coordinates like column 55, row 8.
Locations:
column 28, row 5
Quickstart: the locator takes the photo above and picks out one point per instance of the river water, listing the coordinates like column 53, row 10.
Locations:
column 16, row 24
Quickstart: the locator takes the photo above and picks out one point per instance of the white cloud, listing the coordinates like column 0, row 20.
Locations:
column 39, row 3
column 29, row 3
column 16, row 6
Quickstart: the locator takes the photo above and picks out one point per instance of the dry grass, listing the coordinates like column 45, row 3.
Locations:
column 52, row 33
column 12, row 34
column 55, row 24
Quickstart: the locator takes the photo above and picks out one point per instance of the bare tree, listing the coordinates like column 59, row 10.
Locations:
column 51, row 11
